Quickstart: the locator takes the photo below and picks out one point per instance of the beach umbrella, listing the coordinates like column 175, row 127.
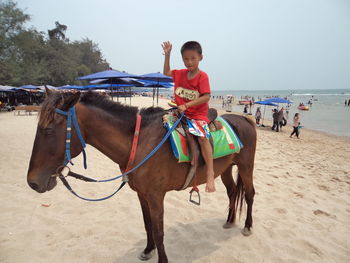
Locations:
column 29, row 87
column 278, row 100
column 7, row 88
column 68, row 87
column 157, row 78
column 122, row 82
column 265, row 103
column 127, row 82
column 107, row 74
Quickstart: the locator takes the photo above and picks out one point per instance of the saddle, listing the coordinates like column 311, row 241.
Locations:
column 213, row 123
column 195, row 148
column 186, row 148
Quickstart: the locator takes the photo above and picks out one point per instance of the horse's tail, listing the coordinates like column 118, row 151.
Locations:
column 237, row 202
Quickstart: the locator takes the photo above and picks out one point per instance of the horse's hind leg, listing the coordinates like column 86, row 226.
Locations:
column 246, row 175
column 148, row 251
column 230, row 185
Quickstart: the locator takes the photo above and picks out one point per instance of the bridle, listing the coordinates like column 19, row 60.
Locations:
column 71, row 115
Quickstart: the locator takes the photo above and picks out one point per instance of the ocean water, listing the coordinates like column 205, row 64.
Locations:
column 328, row 112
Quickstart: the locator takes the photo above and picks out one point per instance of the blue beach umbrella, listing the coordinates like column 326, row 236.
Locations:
column 126, row 82
column 156, row 77
column 278, row 100
column 265, row 103
column 107, row 74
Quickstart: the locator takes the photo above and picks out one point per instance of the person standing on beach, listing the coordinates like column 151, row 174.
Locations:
column 275, row 124
column 296, row 123
column 258, row 116
column 245, row 110
column 192, row 95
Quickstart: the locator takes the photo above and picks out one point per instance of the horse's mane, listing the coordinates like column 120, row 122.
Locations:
column 123, row 112
column 114, row 109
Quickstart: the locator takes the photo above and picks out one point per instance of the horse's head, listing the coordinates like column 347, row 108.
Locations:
column 49, row 145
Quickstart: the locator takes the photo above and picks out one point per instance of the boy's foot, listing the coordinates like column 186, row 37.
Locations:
column 210, row 187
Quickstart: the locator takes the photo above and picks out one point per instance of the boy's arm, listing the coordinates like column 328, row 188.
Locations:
column 202, row 99
column 166, row 68
column 167, row 46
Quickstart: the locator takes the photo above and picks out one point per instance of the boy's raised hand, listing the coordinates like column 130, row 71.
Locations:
column 167, row 46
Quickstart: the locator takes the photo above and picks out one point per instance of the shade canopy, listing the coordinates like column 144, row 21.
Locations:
column 159, row 77
column 156, row 84
column 71, row 87
column 7, row 88
column 264, row 102
column 107, row 74
column 279, row 100
column 127, row 82
column 29, row 87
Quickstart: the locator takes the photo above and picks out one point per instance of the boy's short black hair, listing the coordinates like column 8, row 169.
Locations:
column 191, row 45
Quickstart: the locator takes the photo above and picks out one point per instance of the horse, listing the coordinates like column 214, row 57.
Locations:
column 108, row 126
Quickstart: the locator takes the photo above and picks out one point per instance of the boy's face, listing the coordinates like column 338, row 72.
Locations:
column 191, row 59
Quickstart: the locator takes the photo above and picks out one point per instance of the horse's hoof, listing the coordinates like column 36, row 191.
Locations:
column 144, row 257
column 246, row 232
column 228, row 225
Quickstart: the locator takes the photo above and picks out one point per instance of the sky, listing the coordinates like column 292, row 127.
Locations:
column 247, row 44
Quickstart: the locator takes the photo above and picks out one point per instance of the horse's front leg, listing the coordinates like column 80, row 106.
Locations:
column 156, row 206
column 148, row 251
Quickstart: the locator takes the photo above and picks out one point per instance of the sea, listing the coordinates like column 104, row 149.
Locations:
column 328, row 112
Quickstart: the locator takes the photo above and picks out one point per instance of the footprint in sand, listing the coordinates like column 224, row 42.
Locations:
column 320, row 212
column 298, row 194
column 323, row 187
column 281, row 210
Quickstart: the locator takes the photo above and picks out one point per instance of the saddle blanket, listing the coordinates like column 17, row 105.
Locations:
column 225, row 140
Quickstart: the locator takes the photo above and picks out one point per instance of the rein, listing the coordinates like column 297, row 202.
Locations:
column 71, row 115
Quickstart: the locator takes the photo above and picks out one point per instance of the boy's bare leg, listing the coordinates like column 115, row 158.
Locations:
column 207, row 153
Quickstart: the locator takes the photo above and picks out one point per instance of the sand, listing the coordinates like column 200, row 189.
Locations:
column 301, row 211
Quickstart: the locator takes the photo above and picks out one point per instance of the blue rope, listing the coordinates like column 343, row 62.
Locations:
column 71, row 112
column 126, row 173
column 89, row 199
column 147, row 157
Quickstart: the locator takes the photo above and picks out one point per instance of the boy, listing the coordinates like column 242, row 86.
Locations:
column 192, row 94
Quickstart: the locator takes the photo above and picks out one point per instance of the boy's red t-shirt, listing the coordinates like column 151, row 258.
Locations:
column 190, row 89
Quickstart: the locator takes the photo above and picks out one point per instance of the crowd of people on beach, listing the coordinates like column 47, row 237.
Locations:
column 279, row 120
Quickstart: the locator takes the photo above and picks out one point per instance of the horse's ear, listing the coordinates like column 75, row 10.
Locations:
column 71, row 100
column 48, row 92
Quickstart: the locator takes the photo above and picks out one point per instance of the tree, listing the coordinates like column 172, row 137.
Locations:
column 12, row 19
column 58, row 33
column 31, row 57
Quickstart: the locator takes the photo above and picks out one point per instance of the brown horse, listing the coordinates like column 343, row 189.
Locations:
column 109, row 127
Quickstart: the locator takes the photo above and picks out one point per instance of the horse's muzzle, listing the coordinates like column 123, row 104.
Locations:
column 42, row 187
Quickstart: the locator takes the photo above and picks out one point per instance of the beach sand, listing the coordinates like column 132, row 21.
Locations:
column 301, row 211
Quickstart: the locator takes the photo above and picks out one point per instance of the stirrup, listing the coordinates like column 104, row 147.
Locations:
column 195, row 189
